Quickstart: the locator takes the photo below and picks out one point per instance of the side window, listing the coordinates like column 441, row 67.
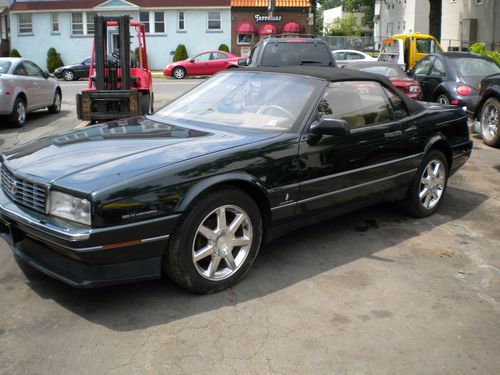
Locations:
column 254, row 55
column 423, row 45
column 354, row 56
column 202, row 57
column 437, row 69
column 20, row 70
column 422, row 67
column 218, row 56
column 398, row 106
column 360, row 103
column 33, row 70
column 339, row 56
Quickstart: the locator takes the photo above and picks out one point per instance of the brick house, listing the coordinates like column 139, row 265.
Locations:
column 251, row 21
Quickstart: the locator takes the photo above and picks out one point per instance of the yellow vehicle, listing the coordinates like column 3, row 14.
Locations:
column 407, row 49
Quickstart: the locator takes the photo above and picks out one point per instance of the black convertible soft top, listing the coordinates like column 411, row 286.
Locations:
column 339, row 74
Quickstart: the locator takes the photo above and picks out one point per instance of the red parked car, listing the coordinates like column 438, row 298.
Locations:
column 204, row 63
column 395, row 73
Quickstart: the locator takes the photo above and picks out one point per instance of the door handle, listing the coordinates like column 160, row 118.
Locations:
column 394, row 134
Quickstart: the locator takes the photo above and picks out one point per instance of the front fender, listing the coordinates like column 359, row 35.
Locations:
column 235, row 178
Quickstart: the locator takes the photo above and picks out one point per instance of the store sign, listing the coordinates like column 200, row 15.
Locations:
column 260, row 18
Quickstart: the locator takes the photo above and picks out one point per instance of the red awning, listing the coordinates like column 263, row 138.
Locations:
column 246, row 28
column 291, row 28
column 268, row 29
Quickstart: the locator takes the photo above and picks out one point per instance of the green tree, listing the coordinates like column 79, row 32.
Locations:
column 481, row 49
column 14, row 53
column 223, row 47
column 343, row 27
column 54, row 60
column 180, row 53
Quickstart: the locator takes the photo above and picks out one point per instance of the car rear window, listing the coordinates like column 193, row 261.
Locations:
column 475, row 67
column 287, row 54
column 5, row 66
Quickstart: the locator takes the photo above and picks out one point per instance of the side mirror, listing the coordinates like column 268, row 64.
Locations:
column 243, row 62
column 46, row 74
column 331, row 126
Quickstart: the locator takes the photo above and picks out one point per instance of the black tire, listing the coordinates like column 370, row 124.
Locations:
column 17, row 118
column 443, row 99
column 56, row 104
column 152, row 104
column 190, row 273
column 413, row 204
column 145, row 105
column 68, row 75
column 179, row 73
column 490, row 122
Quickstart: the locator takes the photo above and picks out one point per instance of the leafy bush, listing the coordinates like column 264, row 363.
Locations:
column 223, row 47
column 180, row 53
column 481, row 49
column 14, row 53
column 53, row 60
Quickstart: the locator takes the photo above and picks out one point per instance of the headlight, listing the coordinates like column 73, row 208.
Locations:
column 68, row 207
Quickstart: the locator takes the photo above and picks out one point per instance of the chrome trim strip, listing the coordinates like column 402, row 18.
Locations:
column 356, row 186
column 101, row 247
column 345, row 189
column 67, row 234
column 361, row 169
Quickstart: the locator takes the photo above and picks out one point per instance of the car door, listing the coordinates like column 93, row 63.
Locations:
column 199, row 64
column 420, row 73
column 27, row 84
column 45, row 87
column 218, row 61
column 82, row 70
column 342, row 171
column 437, row 75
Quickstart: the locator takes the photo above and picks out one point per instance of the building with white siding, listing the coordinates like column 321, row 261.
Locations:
column 67, row 26
column 400, row 17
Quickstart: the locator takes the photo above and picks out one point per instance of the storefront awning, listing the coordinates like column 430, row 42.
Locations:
column 268, row 29
column 246, row 28
column 291, row 28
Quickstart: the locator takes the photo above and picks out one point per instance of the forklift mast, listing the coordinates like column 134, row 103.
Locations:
column 101, row 46
column 116, row 89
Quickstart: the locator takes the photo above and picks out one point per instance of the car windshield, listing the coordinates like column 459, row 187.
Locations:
column 475, row 67
column 296, row 53
column 5, row 66
column 266, row 101
column 388, row 71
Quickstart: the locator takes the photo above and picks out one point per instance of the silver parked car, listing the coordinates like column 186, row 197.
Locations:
column 24, row 87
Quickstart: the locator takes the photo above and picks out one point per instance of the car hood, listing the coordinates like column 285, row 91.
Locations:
column 89, row 158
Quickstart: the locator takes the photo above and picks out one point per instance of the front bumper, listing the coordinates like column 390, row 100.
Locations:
column 58, row 75
column 86, row 257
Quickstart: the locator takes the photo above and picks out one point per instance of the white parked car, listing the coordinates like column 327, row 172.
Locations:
column 24, row 87
column 346, row 56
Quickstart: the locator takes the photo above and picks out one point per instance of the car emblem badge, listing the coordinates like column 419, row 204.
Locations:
column 13, row 189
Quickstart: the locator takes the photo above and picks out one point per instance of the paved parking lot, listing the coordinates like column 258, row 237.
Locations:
column 373, row 292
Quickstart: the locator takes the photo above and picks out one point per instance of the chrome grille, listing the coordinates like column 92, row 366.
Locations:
column 22, row 191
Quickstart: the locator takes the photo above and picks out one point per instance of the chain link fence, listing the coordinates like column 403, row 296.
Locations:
column 371, row 44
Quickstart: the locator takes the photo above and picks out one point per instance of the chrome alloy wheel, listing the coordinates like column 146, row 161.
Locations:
column 68, row 75
column 443, row 99
column 179, row 73
column 21, row 112
column 489, row 120
column 220, row 249
column 432, row 184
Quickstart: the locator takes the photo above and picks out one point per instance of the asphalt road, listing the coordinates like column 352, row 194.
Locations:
column 373, row 292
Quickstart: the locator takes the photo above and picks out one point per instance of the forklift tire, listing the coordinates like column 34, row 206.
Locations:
column 145, row 106
column 152, row 104
column 79, row 106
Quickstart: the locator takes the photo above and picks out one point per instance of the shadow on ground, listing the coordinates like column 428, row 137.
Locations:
column 282, row 263
column 37, row 119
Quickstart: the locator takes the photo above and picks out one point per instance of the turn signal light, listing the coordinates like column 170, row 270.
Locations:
column 463, row 90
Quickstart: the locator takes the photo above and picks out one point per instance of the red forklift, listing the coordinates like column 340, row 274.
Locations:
column 118, row 86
